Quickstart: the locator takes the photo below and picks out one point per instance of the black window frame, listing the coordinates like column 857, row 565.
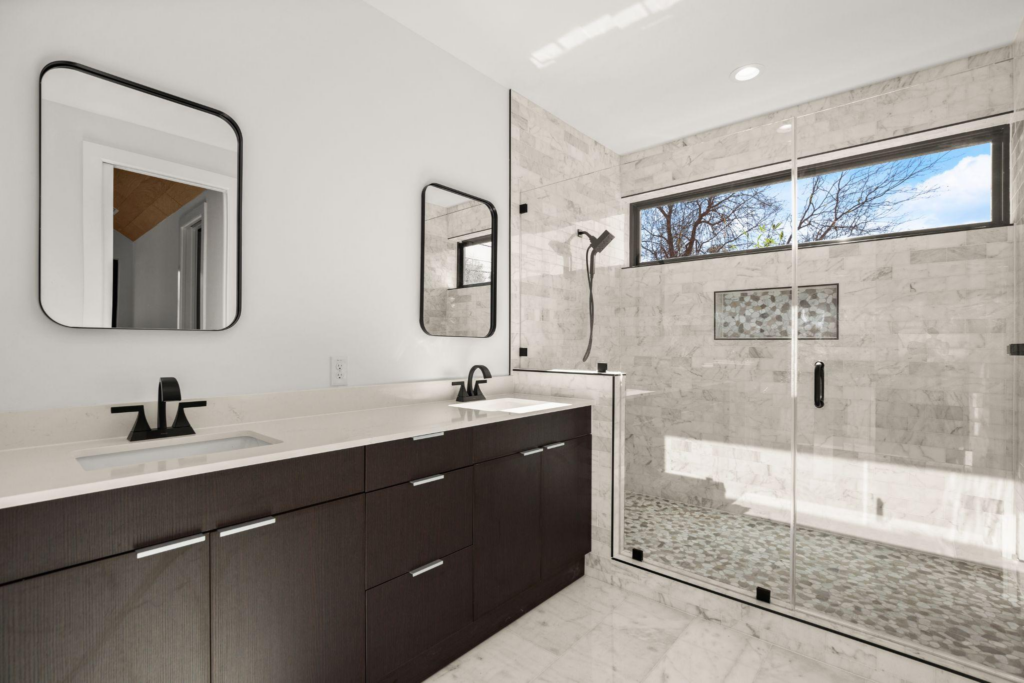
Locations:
column 459, row 284
column 998, row 136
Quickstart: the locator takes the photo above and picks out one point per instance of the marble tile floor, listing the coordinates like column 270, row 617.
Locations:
column 961, row 608
column 593, row 632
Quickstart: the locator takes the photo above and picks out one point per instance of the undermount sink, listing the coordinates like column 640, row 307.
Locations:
column 509, row 405
column 156, row 452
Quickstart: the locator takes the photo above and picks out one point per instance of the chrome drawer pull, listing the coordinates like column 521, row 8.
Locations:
column 533, row 451
column 555, row 445
column 427, row 567
column 239, row 528
column 427, row 480
column 173, row 545
column 427, row 436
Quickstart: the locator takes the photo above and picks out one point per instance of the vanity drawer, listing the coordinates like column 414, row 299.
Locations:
column 397, row 462
column 407, row 615
column 410, row 524
column 511, row 436
column 42, row 537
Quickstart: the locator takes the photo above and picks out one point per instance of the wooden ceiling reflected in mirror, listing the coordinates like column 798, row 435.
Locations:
column 141, row 202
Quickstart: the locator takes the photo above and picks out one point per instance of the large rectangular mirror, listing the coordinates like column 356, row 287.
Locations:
column 139, row 206
column 459, row 260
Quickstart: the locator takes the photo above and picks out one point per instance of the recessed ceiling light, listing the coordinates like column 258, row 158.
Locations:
column 745, row 73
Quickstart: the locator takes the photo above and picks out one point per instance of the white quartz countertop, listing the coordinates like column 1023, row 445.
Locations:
column 36, row 474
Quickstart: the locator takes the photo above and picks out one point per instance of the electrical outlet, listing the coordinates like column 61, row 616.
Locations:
column 339, row 371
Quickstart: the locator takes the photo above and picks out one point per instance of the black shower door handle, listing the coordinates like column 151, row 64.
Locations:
column 819, row 384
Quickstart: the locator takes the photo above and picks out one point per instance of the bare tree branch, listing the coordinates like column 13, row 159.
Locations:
column 867, row 200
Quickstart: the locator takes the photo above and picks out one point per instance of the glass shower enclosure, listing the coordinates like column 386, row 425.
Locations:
column 829, row 421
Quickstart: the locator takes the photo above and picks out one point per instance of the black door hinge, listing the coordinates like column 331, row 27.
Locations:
column 764, row 594
column 522, row 352
column 1015, row 349
column 522, row 208
column 638, row 554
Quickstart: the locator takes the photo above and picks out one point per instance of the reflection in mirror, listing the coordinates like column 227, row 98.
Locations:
column 459, row 261
column 139, row 221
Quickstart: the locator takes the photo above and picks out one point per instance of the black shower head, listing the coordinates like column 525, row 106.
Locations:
column 598, row 243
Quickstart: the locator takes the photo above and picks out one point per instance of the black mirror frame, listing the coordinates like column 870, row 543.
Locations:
column 494, row 257
column 62, row 64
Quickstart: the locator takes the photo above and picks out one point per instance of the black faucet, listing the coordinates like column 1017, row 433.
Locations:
column 473, row 393
column 167, row 390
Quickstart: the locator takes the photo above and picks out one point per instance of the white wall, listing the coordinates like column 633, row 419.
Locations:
column 345, row 117
column 157, row 256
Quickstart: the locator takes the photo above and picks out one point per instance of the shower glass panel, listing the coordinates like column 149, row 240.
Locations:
column 705, row 337
column 552, row 256
column 906, row 526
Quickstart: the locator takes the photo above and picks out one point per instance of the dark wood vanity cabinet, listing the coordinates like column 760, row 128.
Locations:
column 406, row 616
column 414, row 523
column 124, row 618
column 506, row 529
column 565, row 500
column 287, row 597
column 532, row 518
column 456, row 536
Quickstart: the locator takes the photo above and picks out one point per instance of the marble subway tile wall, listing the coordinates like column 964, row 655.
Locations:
column 468, row 312
column 914, row 446
column 446, row 309
column 707, row 422
column 554, row 315
column 552, row 163
column 961, row 90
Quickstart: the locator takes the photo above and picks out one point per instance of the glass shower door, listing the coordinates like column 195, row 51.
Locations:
column 905, row 443
column 704, row 334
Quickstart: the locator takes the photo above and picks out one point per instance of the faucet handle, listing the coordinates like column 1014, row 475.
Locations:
column 462, row 391
column 476, row 388
column 180, row 421
column 128, row 409
column 141, row 428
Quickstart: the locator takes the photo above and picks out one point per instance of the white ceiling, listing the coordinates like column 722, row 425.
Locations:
column 634, row 73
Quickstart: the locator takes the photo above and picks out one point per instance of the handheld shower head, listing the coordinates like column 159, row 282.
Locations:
column 598, row 244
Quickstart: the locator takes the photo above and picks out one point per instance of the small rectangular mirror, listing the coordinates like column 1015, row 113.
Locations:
column 459, row 260
column 140, row 195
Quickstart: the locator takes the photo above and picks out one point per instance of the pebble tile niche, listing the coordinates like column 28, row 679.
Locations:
column 765, row 313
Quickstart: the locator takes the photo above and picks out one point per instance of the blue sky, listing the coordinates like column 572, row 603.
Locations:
column 962, row 191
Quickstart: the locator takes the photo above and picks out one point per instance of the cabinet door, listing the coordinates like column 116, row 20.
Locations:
column 287, row 597
column 407, row 615
column 124, row 618
column 565, row 503
column 506, row 529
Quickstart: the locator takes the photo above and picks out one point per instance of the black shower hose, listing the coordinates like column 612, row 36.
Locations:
column 588, row 259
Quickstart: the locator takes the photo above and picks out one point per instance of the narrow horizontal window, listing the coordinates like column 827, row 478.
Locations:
column 958, row 182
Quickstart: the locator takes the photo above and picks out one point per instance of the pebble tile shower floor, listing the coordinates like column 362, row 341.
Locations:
column 965, row 609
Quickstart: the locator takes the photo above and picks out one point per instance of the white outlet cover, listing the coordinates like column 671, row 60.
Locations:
column 339, row 371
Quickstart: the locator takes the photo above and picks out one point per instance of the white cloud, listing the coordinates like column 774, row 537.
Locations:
column 962, row 194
